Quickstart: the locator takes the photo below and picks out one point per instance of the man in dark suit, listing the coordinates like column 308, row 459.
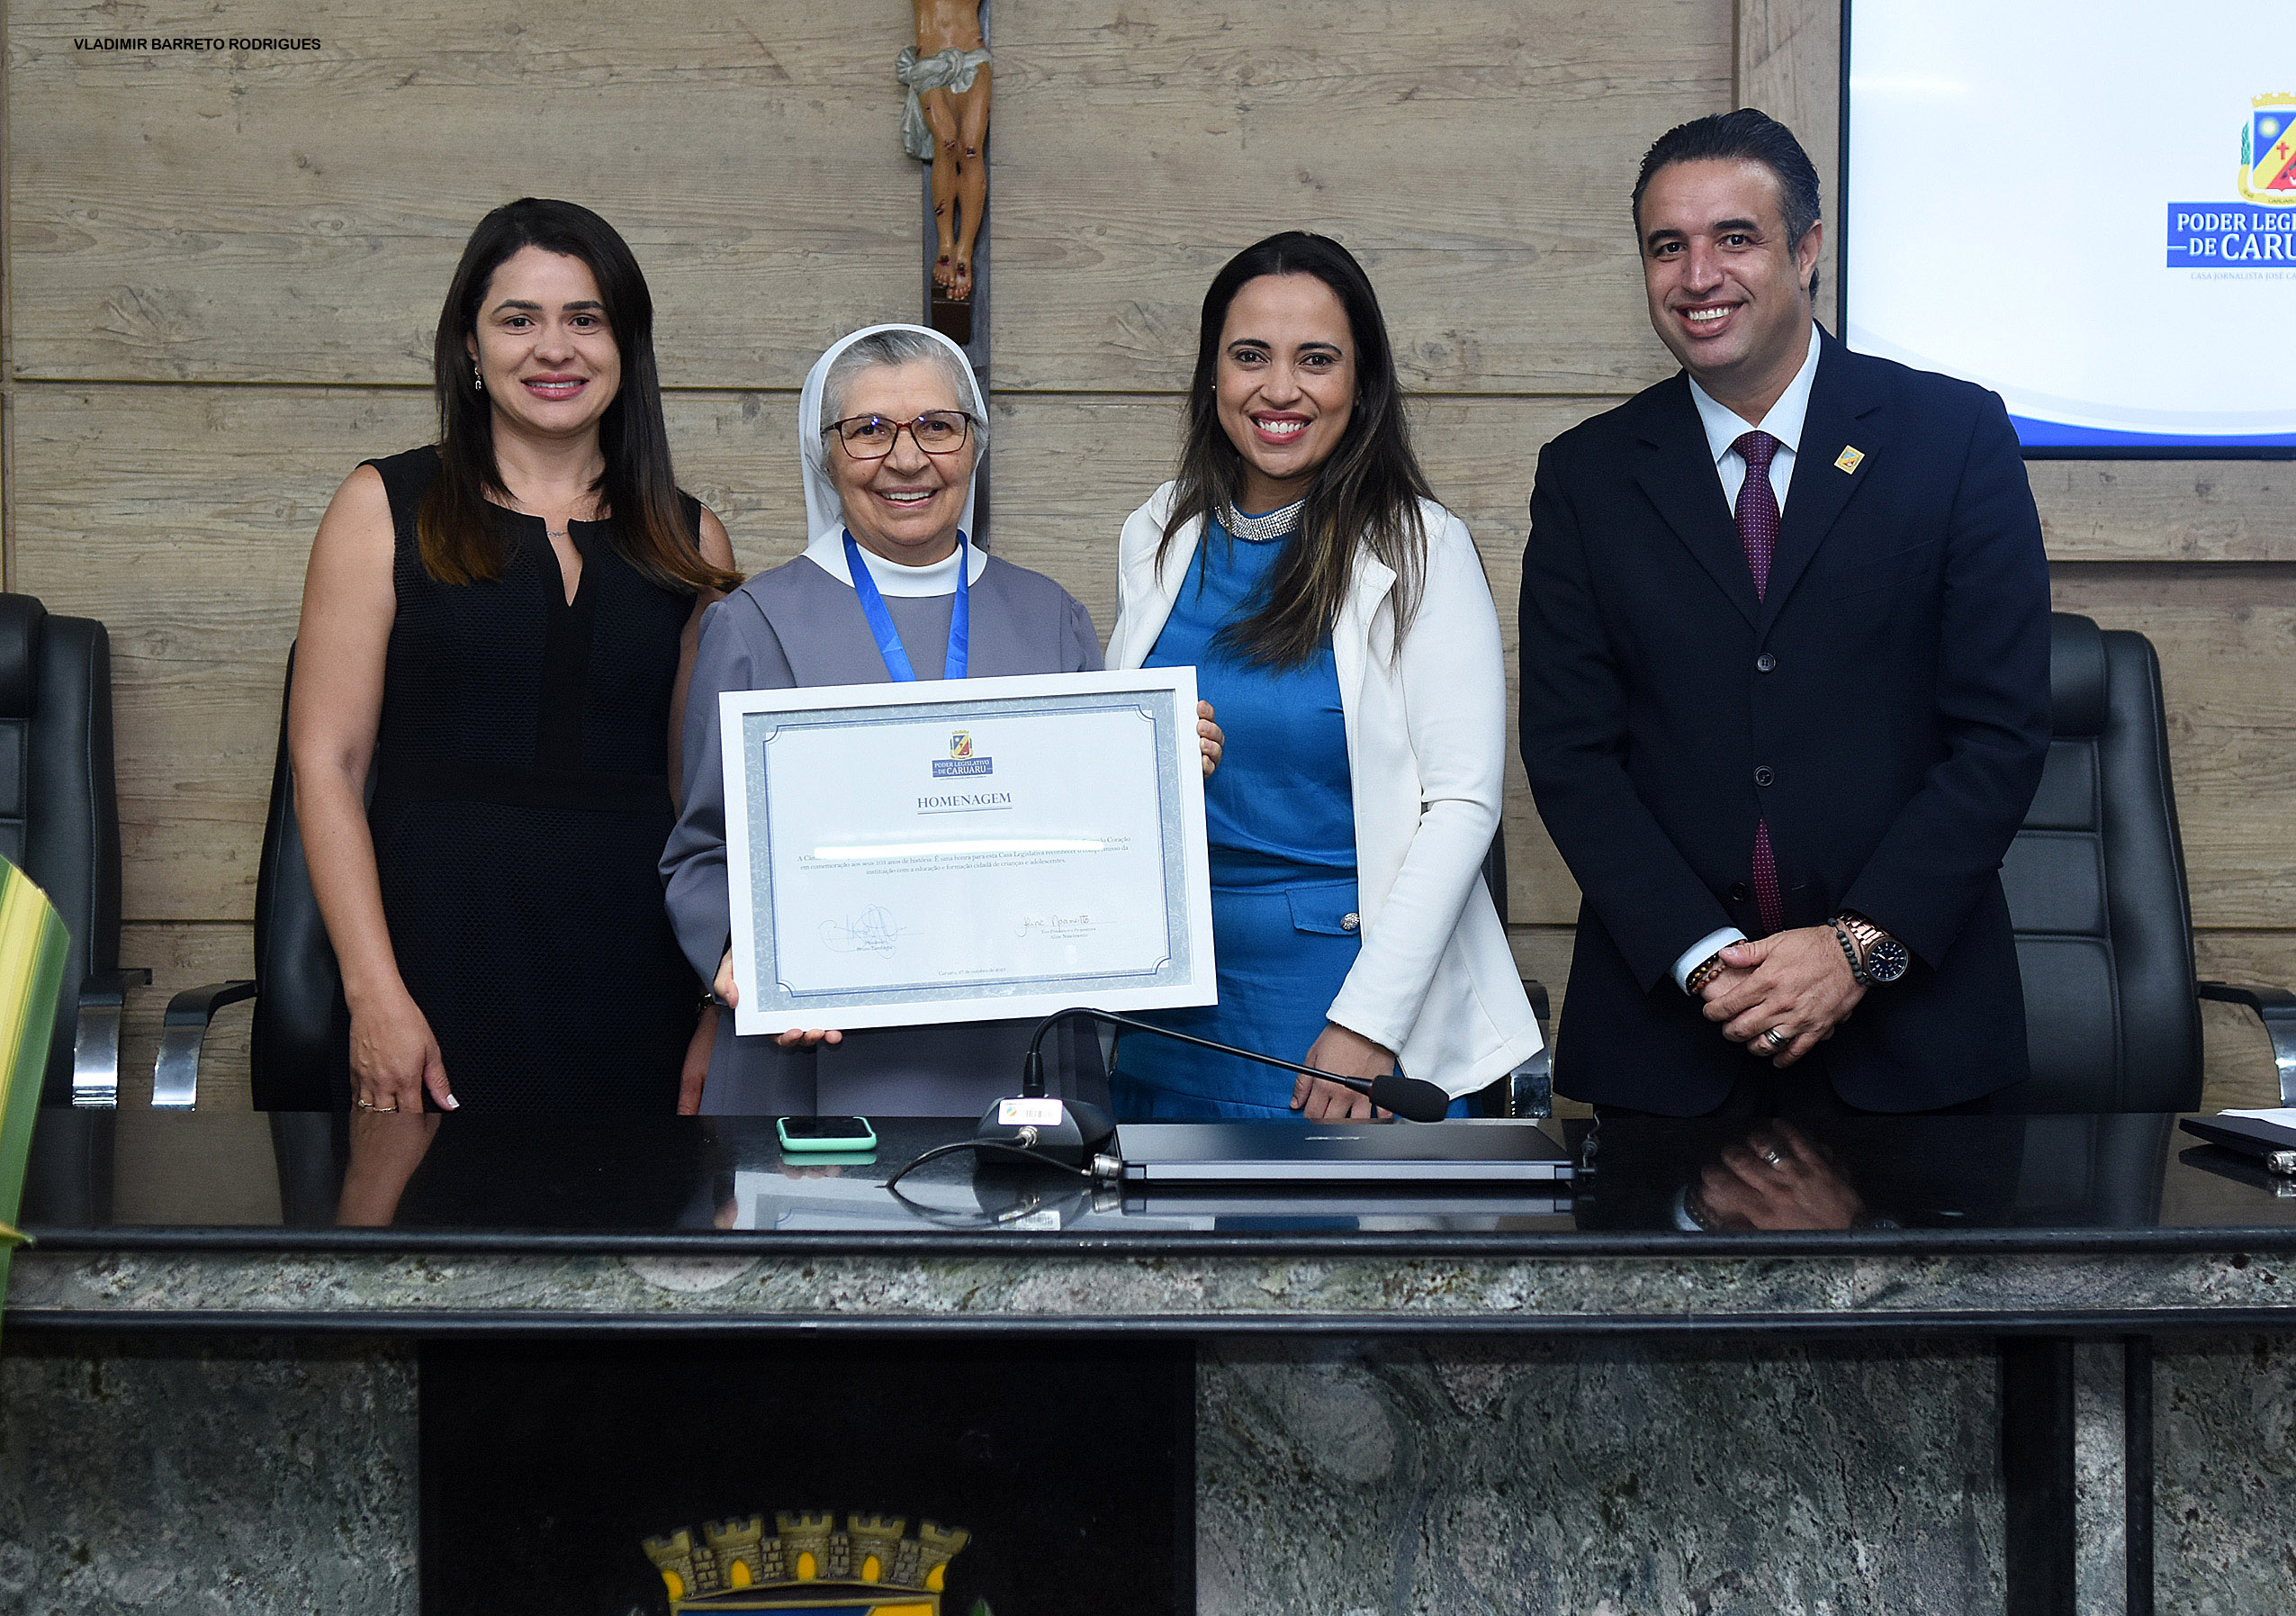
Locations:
column 1785, row 693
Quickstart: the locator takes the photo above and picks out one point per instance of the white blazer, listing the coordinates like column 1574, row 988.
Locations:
column 1426, row 752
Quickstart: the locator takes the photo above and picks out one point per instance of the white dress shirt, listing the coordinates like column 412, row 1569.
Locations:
column 1725, row 426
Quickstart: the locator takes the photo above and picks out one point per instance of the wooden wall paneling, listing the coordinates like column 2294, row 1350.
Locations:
column 1476, row 155
column 183, row 516
column 296, row 217
column 1789, row 64
column 2184, row 510
column 737, row 454
column 1068, row 470
column 2267, row 957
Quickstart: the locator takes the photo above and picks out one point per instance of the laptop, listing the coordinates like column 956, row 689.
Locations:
column 1466, row 1150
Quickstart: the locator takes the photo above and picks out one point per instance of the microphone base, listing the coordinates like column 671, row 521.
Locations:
column 1069, row 1132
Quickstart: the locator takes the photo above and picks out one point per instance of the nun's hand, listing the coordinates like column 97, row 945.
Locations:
column 1209, row 736
column 796, row 1037
column 694, row 1074
column 806, row 1038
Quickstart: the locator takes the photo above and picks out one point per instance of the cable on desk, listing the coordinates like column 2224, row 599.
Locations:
column 1032, row 1156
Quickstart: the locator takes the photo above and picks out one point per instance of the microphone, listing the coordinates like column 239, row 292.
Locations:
column 1412, row 1098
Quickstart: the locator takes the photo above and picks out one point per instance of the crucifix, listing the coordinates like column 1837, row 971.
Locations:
column 945, row 124
column 948, row 74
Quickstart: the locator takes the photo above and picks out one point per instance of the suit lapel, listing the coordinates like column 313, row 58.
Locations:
column 1677, row 473
column 1842, row 413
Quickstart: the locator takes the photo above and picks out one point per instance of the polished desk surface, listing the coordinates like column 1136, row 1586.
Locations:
column 413, row 1225
column 156, row 1181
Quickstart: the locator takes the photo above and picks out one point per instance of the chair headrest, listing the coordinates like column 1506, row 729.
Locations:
column 23, row 621
column 2076, row 675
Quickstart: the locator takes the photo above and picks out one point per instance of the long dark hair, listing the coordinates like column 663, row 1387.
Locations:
column 1367, row 493
column 455, row 529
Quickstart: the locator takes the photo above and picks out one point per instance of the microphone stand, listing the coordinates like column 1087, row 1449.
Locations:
column 1072, row 1133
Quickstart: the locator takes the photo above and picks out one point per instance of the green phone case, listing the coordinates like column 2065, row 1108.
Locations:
column 849, row 1144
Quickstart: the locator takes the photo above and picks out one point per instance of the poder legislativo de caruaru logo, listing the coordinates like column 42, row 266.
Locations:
column 2258, row 232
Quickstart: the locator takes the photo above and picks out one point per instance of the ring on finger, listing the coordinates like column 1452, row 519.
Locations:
column 1775, row 1156
column 1776, row 1039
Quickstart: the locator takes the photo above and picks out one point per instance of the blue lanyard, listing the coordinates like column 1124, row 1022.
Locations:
column 888, row 638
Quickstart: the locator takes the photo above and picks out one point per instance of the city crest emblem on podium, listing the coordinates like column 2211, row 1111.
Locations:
column 807, row 1567
column 961, row 744
column 2268, row 151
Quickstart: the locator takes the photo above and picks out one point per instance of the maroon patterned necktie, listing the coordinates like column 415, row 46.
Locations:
column 1757, row 517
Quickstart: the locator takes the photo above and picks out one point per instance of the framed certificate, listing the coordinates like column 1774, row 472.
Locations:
column 966, row 850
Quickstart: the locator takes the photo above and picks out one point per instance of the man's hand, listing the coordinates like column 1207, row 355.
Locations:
column 1795, row 982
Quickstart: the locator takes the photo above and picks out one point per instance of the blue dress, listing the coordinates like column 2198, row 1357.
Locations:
column 1281, row 821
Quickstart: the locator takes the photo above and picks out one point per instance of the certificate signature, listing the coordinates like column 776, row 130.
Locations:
column 871, row 932
column 1056, row 925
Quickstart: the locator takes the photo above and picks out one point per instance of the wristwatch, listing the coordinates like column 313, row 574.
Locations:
column 1875, row 956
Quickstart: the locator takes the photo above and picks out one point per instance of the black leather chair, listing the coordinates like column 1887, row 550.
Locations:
column 2096, row 880
column 295, row 1047
column 59, row 823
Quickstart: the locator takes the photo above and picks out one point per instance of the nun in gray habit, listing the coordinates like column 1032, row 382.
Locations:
column 907, row 515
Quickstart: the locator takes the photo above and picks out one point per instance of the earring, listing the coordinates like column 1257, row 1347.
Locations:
column 478, row 376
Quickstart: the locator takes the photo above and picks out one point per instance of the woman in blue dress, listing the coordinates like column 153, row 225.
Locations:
column 1340, row 624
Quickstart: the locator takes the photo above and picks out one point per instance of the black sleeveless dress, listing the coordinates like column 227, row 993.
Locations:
column 521, row 801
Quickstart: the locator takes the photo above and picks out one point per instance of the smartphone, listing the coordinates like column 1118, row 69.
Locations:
column 826, row 1133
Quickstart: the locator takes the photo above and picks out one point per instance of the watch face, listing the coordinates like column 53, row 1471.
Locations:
column 1886, row 960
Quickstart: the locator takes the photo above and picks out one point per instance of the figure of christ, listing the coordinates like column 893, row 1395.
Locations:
column 946, row 124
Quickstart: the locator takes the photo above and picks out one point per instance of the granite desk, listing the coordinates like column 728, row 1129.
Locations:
column 2043, row 1369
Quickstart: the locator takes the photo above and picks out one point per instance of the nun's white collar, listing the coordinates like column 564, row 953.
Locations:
column 827, row 552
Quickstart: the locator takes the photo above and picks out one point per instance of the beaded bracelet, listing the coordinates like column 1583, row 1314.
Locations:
column 1850, row 952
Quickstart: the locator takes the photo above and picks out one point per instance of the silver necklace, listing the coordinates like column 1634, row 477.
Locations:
column 1260, row 529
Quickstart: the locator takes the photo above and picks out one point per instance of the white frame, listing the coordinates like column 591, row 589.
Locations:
column 1175, row 785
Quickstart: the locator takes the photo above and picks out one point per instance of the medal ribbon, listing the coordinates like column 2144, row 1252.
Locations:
column 888, row 638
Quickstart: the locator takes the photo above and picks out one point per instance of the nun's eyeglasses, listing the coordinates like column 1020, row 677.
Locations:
column 872, row 437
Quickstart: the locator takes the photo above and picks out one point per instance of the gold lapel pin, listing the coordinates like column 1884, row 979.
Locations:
column 1850, row 459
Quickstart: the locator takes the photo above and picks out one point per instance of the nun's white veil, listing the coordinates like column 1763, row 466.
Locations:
column 825, row 511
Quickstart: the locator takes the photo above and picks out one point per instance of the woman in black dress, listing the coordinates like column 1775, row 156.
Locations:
column 503, row 622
